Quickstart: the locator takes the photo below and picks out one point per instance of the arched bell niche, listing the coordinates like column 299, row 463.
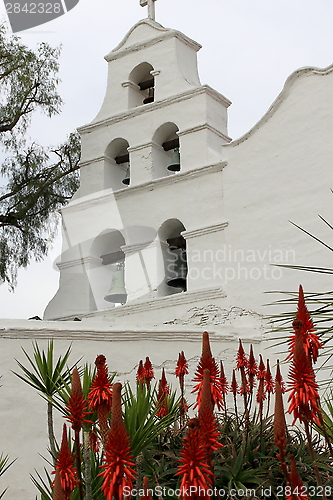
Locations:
column 172, row 268
column 106, row 247
column 117, row 156
column 166, row 150
column 142, row 90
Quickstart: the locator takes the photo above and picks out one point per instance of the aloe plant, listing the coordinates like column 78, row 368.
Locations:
column 246, row 461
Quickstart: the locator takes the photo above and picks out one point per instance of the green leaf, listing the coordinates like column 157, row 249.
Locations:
column 43, row 376
column 142, row 424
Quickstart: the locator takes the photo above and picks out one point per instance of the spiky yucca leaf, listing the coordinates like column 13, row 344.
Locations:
column 43, row 485
column 142, row 424
column 322, row 313
column 45, row 376
column 4, row 465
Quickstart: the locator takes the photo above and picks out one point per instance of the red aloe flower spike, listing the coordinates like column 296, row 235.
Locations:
column 163, row 391
column 278, row 377
column 224, row 387
column 269, row 383
column 118, row 463
column 180, row 372
column 311, row 341
column 101, row 388
column 252, row 369
column 241, row 358
column 162, row 403
column 234, row 385
column 207, row 361
column 245, row 387
column 206, row 351
column 261, row 394
column 117, row 413
column 280, row 435
column 140, row 375
column 261, row 373
column 193, row 465
column 304, row 397
column 100, row 396
column 280, row 439
column 57, row 489
column 208, row 426
column 302, row 311
column 181, row 368
column 223, row 380
column 296, row 483
column 76, row 405
column 164, row 384
column 65, row 466
column 234, row 390
column 241, row 365
column 149, row 373
column 146, row 492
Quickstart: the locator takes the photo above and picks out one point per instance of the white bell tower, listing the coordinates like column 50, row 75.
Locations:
column 148, row 218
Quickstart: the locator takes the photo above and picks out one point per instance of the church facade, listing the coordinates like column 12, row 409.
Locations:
column 176, row 229
column 173, row 212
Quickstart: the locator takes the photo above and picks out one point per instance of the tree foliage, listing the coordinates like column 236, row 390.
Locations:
column 36, row 182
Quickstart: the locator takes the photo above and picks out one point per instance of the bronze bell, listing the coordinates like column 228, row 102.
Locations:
column 127, row 177
column 175, row 161
column 117, row 293
column 178, row 270
column 150, row 97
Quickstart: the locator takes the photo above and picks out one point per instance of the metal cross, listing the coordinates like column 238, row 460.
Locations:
column 151, row 7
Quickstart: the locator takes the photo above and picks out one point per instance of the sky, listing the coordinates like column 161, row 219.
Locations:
column 250, row 47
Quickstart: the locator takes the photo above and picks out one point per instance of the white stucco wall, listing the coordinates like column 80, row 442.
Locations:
column 281, row 171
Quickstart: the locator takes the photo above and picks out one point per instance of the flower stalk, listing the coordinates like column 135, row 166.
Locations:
column 118, row 463
column 100, row 397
